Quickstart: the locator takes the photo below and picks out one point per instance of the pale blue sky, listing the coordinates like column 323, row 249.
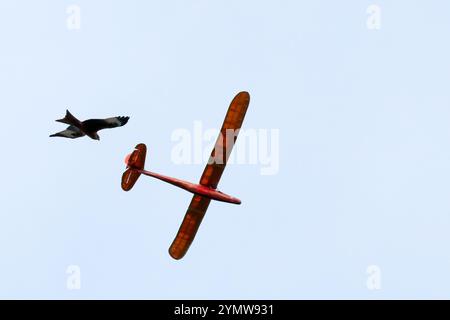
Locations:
column 364, row 120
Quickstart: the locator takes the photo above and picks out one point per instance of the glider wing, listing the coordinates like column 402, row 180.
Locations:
column 189, row 227
column 211, row 175
column 225, row 142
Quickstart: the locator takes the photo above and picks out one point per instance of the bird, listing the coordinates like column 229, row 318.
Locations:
column 78, row 129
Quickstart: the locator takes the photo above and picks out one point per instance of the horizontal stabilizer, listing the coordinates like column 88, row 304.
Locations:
column 129, row 178
column 134, row 161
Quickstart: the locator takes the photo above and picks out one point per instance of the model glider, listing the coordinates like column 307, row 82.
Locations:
column 206, row 190
column 78, row 129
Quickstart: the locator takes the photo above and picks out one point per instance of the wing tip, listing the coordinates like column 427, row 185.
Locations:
column 243, row 95
column 175, row 254
column 123, row 120
column 242, row 99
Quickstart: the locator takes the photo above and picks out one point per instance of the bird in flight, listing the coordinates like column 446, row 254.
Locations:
column 77, row 128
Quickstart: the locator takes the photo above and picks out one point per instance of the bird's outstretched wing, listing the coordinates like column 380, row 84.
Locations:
column 94, row 125
column 71, row 132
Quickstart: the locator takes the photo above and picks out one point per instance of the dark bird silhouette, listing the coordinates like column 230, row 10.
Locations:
column 77, row 128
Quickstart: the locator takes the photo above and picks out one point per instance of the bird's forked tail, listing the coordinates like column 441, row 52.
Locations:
column 70, row 119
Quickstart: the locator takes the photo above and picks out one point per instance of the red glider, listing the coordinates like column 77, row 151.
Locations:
column 206, row 190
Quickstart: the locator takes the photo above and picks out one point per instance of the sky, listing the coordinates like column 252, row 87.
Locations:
column 356, row 92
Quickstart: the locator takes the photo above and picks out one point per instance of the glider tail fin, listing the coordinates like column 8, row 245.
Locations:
column 70, row 119
column 134, row 161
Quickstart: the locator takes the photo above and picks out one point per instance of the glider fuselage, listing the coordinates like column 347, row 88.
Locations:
column 193, row 187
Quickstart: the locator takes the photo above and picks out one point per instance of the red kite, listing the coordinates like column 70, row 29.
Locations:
column 77, row 129
column 206, row 190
